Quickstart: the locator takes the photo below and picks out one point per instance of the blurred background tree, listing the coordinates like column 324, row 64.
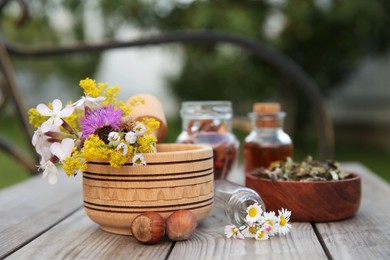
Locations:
column 328, row 38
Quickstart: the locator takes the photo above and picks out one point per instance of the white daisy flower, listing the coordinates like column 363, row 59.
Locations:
column 250, row 231
column 123, row 149
column 261, row 234
column 138, row 160
column 233, row 231
column 114, row 138
column 131, row 137
column 253, row 213
column 270, row 223
column 284, row 217
column 139, row 129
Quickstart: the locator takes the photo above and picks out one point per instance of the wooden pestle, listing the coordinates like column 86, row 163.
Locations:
column 151, row 108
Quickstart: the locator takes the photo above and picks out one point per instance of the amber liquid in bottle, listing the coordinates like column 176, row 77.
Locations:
column 262, row 155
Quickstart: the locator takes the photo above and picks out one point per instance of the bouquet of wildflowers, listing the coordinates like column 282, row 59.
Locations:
column 261, row 225
column 96, row 127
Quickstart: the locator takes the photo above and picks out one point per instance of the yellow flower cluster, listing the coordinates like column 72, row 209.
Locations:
column 110, row 93
column 35, row 118
column 73, row 164
column 117, row 159
column 89, row 87
column 146, row 143
column 150, row 124
column 135, row 101
column 94, row 148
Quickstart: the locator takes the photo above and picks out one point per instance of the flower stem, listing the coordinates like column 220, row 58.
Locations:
column 67, row 127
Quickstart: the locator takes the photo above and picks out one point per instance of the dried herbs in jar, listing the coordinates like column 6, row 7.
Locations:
column 209, row 122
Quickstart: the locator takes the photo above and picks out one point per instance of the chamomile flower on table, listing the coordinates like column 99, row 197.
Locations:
column 261, row 225
column 271, row 223
column 251, row 230
column 254, row 213
column 261, row 234
column 234, row 232
column 283, row 219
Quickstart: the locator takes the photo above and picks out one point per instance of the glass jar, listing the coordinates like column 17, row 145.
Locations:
column 267, row 141
column 209, row 122
column 234, row 199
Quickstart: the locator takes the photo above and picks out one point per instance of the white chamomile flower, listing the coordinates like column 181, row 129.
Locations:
column 253, row 213
column 233, row 231
column 114, row 138
column 131, row 137
column 271, row 223
column 122, row 148
column 250, row 231
column 139, row 129
column 261, row 234
column 138, row 160
column 284, row 217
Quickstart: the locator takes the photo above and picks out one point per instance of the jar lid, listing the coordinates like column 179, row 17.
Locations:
column 206, row 109
column 266, row 108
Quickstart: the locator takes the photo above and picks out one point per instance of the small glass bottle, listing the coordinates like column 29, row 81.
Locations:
column 267, row 142
column 209, row 122
column 234, row 199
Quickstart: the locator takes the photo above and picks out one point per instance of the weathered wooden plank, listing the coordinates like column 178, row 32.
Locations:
column 77, row 237
column 23, row 200
column 209, row 242
column 30, row 208
column 366, row 235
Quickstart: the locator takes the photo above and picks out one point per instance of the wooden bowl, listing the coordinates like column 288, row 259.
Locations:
column 310, row 201
column 178, row 176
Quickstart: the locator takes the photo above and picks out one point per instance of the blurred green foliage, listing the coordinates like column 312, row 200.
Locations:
column 327, row 38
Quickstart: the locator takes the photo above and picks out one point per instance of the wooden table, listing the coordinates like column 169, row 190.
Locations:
column 40, row 221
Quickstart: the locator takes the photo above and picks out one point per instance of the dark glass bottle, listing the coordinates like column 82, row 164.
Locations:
column 267, row 142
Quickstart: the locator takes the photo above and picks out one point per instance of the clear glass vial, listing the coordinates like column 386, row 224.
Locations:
column 267, row 141
column 210, row 122
column 234, row 199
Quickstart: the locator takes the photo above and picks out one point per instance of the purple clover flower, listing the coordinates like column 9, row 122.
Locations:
column 100, row 118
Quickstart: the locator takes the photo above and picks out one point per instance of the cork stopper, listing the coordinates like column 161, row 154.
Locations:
column 266, row 108
column 266, row 114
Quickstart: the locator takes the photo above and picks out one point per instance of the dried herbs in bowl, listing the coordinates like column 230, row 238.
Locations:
column 307, row 170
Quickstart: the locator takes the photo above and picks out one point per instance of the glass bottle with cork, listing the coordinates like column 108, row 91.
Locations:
column 267, row 141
